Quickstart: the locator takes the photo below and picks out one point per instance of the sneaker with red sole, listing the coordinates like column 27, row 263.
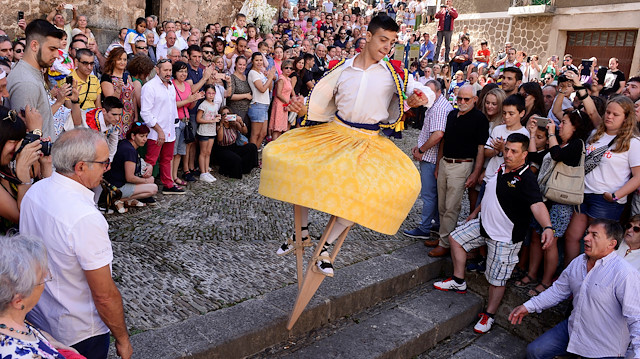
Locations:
column 450, row 285
column 484, row 324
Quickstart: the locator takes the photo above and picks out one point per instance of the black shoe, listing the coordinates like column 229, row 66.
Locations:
column 173, row 190
column 196, row 172
column 149, row 201
column 188, row 176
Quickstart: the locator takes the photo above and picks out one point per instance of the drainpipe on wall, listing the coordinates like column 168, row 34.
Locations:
column 509, row 30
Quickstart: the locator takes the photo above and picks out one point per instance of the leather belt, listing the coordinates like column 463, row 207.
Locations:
column 455, row 160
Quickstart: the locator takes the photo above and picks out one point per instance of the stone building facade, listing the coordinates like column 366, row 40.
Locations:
column 547, row 30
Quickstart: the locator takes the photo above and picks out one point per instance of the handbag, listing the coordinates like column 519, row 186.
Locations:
column 593, row 158
column 188, row 132
column 565, row 184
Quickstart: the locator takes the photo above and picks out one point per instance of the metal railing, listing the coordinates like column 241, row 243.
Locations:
column 515, row 3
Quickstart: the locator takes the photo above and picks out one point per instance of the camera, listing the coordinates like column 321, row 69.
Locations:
column 30, row 137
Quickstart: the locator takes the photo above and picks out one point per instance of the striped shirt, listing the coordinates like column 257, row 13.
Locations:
column 606, row 309
column 435, row 119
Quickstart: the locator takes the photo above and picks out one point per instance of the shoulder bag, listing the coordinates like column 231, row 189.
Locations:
column 592, row 160
column 565, row 185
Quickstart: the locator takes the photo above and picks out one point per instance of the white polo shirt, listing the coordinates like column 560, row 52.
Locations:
column 61, row 211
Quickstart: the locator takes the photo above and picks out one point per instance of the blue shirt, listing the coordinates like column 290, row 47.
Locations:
column 427, row 46
column 606, row 309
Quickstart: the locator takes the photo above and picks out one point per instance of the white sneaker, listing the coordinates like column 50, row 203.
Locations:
column 484, row 324
column 207, row 177
column 451, row 285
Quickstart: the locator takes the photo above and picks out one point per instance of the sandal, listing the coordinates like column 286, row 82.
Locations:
column 134, row 203
column 522, row 284
column 119, row 205
column 535, row 291
column 180, row 182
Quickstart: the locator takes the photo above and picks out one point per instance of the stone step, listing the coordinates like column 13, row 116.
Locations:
column 253, row 325
column 401, row 327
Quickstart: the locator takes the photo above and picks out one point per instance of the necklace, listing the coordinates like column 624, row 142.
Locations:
column 4, row 326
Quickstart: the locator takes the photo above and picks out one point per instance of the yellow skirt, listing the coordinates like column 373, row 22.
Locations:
column 350, row 173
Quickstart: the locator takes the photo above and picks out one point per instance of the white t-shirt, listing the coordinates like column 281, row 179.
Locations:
column 328, row 6
column 130, row 40
column 614, row 169
column 499, row 131
column 210, row 110
column 257, row 96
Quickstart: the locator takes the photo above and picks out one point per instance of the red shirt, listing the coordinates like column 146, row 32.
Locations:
column 485, row 53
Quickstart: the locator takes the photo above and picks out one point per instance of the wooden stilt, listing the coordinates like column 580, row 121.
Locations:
column 313, row 278
column 299, row 249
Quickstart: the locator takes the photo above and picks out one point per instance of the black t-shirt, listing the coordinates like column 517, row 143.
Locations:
column 612, row 82
column 506, row 212
column 464, row 134
column 307, row 76
column 124, row 153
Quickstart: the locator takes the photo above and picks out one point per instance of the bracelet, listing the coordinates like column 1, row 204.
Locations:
column 578, row 87
column 421, row 152
column 27, row 183
column 552, row 135
column 548, row 227
column 615, row 198
column 582, row 97
column 74, row 102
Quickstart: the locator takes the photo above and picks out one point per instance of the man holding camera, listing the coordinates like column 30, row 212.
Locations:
column 445, row 17
column 25, row 83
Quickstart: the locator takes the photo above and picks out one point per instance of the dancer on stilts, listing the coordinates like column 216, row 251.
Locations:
column 343, row 166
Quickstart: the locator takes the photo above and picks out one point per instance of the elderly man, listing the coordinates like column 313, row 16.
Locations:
column 549, row 93
column 459, row 163
column 159, row 112
column 6, row 48
column 88, row 85
column 435, row 121
column 168, row 42
column 81, row 304
column 320, row 65
column 606, row 311
column 629, row 248
column 510, row 198
column 25, row 83
column 152, row 24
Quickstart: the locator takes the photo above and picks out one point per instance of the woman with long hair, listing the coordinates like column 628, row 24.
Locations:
column 240, row 98
column 282, row 96
column 616, row 175
column 533, row 99
column 259, row 108
column 117, row 82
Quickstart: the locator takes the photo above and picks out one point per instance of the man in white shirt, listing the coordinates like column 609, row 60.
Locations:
column 81, row 304
column 185, row 29
column 606, row 311
column 152, row 24
column 168, row 42
column 179, row 41
column 160, row 113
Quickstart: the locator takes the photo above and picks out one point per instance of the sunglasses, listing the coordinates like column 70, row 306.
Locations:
column 139, row 123
column 105, row 163
column 636, row 229
column 18, row 51
column 163, row 61
column 208, row 52
column 86, row 63
column 11, row 116
column 186, row 23
column 463, row 99
column 287, row 68
column 141, row 47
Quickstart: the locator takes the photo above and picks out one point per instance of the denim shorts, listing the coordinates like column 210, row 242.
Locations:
column 180, row 148
column 205, row 138
column 127, row 190
column 595, row 206
column 258, row 112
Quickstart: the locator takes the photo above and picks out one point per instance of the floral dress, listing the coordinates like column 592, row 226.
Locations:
column 15, row 348
column 280, row 116
column 125, row 85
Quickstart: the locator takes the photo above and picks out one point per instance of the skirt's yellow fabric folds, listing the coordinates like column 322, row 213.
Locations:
column 350, row 173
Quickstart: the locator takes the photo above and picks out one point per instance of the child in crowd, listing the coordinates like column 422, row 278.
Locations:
column 207, row 118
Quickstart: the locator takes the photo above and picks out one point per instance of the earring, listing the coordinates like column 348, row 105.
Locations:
column 22, row 308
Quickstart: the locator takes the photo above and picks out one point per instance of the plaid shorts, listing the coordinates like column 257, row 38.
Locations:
column 501, row 258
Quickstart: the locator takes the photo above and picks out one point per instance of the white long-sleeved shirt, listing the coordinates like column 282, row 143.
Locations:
column 158, row 106
column 606, row 308
column 363, row 96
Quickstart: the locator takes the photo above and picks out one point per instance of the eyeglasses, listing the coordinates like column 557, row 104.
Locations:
column 46, row 279
column 11, row 116
column 208, row 52
column 463, row 99
column 105, row 163
column 524, row 94
column 86, row 63
column 635, row 228
column 287, row 68
column 18, row 51
column 141, row 47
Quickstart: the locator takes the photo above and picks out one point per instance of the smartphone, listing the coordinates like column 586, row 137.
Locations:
column 69, row 80
column 20, row 15
column 542, row 121
column 231, row 118
column 586, row 67
column 68, row 6
column 554, row 58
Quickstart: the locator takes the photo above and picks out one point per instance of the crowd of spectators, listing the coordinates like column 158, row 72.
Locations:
column 168, row 100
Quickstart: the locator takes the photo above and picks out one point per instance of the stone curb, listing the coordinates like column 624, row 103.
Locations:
column 251, row 326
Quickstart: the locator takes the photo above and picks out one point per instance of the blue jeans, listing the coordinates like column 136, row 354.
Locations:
column 429, row 196
column 552, row 343
column 95, row 347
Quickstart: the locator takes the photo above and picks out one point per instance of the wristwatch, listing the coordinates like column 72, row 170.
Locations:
column 37, row 131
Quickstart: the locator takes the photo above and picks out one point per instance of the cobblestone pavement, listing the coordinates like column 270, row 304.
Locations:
column 215, row 246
